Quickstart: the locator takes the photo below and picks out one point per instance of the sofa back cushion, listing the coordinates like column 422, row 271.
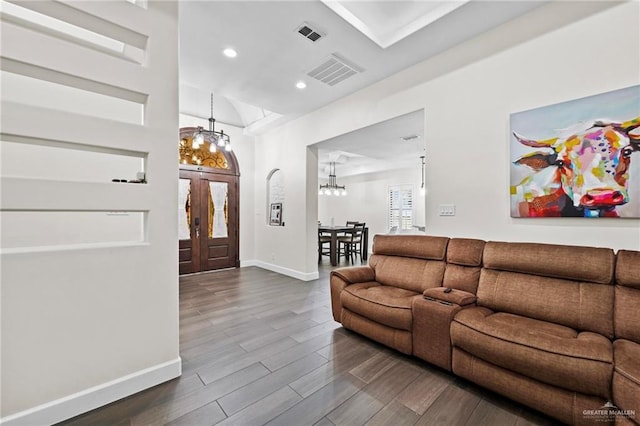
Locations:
column 418, row 246
column 627, row 298
column 412, row 262
column 406, row 272
column 464, row 259
column 566, row 285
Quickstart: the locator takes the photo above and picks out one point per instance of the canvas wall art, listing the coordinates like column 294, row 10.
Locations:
column 579, row 158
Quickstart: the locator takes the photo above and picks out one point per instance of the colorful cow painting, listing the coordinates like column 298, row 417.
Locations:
column 585, row 170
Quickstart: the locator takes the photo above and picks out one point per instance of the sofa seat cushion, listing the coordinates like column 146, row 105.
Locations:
column 386, row 305
column 548, row 352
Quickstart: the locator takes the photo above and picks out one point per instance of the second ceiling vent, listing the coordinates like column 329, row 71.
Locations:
column 309, row 33
column 334, row 69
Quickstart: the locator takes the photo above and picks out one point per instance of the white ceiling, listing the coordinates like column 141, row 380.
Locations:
column 388, row 22
column 379, row 147
column 259, row 84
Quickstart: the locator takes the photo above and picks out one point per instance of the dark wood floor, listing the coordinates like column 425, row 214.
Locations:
column 261, row 348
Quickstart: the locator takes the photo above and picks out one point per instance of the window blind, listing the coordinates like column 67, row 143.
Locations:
column 400, row 207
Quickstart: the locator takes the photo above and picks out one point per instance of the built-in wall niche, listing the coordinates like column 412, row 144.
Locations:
column 56, row 19
column 275, row 197
column 51, row 229
column 42, row 161
column 87, row 100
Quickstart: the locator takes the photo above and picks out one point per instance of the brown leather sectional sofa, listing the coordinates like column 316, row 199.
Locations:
column 555, row 327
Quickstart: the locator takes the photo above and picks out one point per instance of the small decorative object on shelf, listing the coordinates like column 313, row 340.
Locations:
column 140, row 178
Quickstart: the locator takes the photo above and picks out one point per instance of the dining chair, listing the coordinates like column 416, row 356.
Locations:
column 324, row 239
column 352, row 243
column 349, row 224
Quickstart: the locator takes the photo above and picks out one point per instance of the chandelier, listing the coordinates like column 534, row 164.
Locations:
column 214, row 138
column 332, row 187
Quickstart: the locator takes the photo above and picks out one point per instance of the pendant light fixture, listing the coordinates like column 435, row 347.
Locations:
column 332, row 188
column 220, row 138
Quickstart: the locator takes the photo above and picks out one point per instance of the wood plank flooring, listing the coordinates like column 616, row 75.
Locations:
column 259, row 348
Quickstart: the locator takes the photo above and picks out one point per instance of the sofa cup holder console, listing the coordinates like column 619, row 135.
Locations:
column 432, row 317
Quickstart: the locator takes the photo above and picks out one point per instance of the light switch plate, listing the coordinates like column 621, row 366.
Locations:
column 447, row 210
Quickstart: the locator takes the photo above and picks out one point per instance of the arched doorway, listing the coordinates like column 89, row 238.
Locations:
column 208, row 207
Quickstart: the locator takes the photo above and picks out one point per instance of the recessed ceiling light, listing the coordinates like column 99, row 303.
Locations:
column 301, row 85
column 230, row 53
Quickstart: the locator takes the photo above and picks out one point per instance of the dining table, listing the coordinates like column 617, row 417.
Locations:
column 343, row 229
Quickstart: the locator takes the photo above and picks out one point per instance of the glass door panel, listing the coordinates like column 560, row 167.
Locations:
column 218, row 209
column 184, row 209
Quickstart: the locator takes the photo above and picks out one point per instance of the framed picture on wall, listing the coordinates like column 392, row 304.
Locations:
column 275, row 218
column 579, row 158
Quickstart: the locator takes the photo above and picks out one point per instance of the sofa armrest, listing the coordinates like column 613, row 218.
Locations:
column 340, row 279
column 355, row 274
column 454, row 296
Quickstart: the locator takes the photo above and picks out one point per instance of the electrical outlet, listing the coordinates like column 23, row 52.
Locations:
column 447, row 210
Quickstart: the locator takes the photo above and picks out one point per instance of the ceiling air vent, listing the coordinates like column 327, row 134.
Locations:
column 309, row 33
column 334, row 70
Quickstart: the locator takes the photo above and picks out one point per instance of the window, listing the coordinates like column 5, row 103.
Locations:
column 400, row 207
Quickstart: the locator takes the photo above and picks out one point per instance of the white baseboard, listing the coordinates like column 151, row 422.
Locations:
column 303, row 276
column 97, row 396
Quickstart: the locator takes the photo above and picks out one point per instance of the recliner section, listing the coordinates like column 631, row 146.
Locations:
column 543, row 320
column 375, row 301
column 551, row 326
column 626, row 346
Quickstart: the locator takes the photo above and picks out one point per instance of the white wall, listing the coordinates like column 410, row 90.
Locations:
column 274, row 244
column 85, row 323
column 367, row 200
column 558, row 52
column 243, row 147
